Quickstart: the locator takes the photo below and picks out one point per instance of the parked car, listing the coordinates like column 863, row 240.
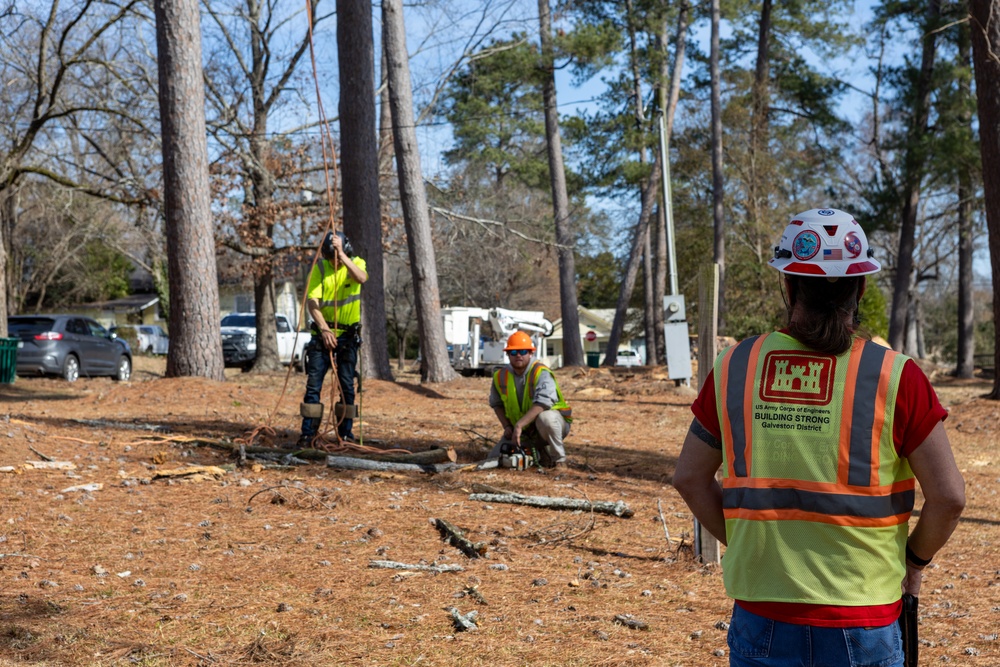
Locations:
column 152, row 338
column 70, row 346
column 628, row 358
column 239, row 341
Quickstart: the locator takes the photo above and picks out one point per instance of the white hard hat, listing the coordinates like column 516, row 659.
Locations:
column 824, row 242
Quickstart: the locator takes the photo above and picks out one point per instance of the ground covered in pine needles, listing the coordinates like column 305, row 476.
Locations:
column 116, row 550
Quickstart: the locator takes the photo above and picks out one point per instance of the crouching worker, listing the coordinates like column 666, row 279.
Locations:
column 526, row 399
column 334, row 303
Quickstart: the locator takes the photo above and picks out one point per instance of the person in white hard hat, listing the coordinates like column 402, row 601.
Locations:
column 820, row 434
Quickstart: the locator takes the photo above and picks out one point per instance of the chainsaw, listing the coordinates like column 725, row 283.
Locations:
column 517, row 458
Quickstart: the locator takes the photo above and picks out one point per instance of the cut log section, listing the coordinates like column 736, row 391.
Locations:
column 618, row 508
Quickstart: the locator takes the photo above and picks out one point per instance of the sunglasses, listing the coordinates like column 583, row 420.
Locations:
column 517, row 353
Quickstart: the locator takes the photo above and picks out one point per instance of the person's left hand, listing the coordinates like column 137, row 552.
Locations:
column 329, row 339
column 515, row 435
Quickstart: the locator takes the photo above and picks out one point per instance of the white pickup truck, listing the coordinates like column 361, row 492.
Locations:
column 239, row 341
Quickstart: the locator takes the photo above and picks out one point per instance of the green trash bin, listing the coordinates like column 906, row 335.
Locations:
column 593, row 359
column 8, row 359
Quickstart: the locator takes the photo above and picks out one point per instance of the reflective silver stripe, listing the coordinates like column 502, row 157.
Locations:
column 863, row 414
column 737, row 379
column 831, row 504
column 342, row 302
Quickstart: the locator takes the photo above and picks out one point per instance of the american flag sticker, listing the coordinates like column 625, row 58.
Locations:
column 833, row 254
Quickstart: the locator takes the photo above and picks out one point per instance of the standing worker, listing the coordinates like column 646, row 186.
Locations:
column 526, row 399
column 819, row 433
column 334, row 303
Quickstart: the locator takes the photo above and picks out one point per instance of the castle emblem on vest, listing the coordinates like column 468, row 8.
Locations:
column 797, row 377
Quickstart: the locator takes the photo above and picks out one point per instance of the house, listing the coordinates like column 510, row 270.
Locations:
column 595, row 330
column 238, row 298
column 133, row 309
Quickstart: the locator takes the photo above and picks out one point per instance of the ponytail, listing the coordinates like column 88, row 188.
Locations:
column 827, row 316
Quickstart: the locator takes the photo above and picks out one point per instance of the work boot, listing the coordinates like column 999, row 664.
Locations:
column 304, row 442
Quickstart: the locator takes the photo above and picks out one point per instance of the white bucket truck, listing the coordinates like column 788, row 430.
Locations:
column 476, row 337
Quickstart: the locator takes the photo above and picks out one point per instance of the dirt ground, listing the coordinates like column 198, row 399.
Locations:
column 271, row 564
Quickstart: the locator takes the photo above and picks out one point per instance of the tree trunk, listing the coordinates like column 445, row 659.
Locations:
column 985, row 28
column 436, row 366
column 8, row 209
column 385, row 140
column 718, row 185
column 359, row 174
column 758, row 185
column 572, row 344
column 649, row 190
column 913, row 170
column 259, row 209
column 966, row 364
column 649, row 277
column 195, row 345
column 267, row 358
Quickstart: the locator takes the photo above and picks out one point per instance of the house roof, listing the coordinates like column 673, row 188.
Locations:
column 133, row 303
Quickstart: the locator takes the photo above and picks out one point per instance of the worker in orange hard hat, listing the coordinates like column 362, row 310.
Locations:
column 526, row 399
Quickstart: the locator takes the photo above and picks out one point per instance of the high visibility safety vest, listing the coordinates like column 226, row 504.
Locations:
column 338, row 294
column 507, row 389
column 815, row 496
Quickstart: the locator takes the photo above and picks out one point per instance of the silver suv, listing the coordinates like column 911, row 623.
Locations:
column 70, row 346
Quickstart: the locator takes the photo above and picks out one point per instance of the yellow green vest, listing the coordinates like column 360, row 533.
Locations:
column 815, row 497
column 507, row 389
column 338, row 294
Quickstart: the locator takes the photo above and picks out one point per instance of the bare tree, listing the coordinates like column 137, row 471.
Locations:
column 913, row 169
column 985, row 30
column 435, row 366
column 359, row 173
column 572, row 345
column 196, row 347
column 668, row 104
column 649, row 189
column 253, row 71
column 59, row 65
column 718, row 185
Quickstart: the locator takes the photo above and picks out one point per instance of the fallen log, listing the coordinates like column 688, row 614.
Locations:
column 617, row 508
column 195, row 473
column 457, row 539
column 356, row 463
column 433, row 455
column 394, row 565
column 428, row 457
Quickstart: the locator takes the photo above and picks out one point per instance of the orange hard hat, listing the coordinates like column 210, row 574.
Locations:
column 519, row 341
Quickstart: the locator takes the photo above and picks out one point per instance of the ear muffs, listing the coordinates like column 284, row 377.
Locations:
column 330, row 252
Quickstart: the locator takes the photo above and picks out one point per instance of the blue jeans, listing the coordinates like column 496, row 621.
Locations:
column 317, row 364
column 755, row 641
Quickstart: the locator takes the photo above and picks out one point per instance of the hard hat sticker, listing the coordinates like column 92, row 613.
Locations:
column 805, row 245
column 852, row 244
